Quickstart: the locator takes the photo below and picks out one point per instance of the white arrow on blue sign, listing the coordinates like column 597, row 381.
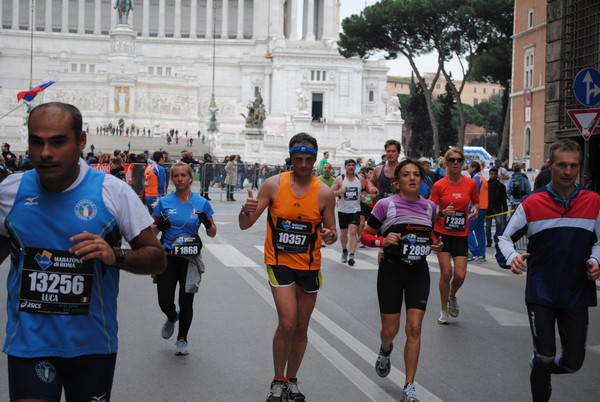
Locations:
column 586, row 86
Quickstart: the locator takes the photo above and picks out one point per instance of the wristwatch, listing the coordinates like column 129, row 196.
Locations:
column 119, row 255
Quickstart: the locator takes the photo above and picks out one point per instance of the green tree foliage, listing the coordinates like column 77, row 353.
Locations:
column 447, row 121
column 417, row 119
column 394, row 28
column 491, row 112
column 494, row 62
column 411, row 28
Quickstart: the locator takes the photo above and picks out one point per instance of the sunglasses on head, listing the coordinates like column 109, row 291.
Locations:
column 455, row 160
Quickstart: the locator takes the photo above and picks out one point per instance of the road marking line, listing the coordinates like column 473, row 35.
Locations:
column 507, row 318
column 230, row 256
column 373, row 391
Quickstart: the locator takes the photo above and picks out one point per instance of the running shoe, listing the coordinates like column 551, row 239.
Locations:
column 409, row 394
column 278, row 388
column 351, row 260
column 181, row 347
column 169, row 327
column 344, row 256
column 293, row 393
column 453, row 309
column 443, row 320
column 383, row 365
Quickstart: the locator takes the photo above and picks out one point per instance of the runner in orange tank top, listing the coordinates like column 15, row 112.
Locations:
column 300, row 217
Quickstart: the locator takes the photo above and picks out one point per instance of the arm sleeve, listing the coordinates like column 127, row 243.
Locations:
column 515, row 229
column 120, row 199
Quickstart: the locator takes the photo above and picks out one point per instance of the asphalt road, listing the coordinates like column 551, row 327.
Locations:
column 483, row 355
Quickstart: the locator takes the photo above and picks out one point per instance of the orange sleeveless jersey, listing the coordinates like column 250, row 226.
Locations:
column 294, row 227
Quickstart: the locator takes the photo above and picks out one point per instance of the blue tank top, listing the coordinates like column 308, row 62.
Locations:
column 385, row 185
column 57, row 304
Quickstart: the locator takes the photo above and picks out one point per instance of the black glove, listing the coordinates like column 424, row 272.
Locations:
column 163, row 223
column 204, row 220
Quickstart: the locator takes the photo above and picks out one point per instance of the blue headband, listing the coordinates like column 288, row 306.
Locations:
column 303, row 149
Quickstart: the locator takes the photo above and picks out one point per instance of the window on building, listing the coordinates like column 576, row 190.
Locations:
column 474, row 90
column 484, row 90
column 151, row 70
column 92, row 68
column 82, row 68
column 475, row 101
column 317, row 75
column 527, row 145
column 371, row 96
column 317, row 107
column 168, row 71
column 74, row 68
column 528, row 66
column 159, row 70
column 256, row 91
column 438, row 86
column 530, row 18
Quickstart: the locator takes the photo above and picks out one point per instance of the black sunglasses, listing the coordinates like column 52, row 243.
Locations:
column 455, row 160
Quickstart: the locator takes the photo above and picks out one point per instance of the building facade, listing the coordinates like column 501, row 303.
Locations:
column 528, row 84
column 157, row 69
column 573, row 44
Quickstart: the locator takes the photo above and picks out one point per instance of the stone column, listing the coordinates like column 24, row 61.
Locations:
column 48, row 23
column 266, row 93
column 329, row 20
column 81, row 17
column 240, row 20
column 177, row 22
column 193, row 19
column 209, row 19
column 309, row 20
column 97, row 17
column 114, row 16
column 293, row 19
column 146, row 19
column 161, row 18
column 65, row 17
column 260, row 25
column 276, row 24
column 15, row 15
column 225, row 20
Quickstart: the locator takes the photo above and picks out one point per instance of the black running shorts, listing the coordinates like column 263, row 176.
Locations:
column 398, row 280
column 346, row 220
column 84, row 378
column 280, row 275
column 457, row 246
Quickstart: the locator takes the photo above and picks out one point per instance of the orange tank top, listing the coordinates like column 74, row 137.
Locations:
column 483, row 193
column 151, row 181
column 294, row 227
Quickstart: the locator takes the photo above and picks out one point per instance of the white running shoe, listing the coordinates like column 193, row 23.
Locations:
column 453, row 309
column 278, row 389
column 443, row 320
column 181, row 347
column 409, row 394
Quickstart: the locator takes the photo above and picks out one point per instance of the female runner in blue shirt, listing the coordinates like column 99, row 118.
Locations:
column 405, row 223
column 178, row 216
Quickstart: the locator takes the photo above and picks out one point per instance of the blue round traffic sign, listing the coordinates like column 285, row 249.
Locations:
column 586, row 86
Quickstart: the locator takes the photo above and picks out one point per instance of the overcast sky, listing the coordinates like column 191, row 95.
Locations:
column 398, row 67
